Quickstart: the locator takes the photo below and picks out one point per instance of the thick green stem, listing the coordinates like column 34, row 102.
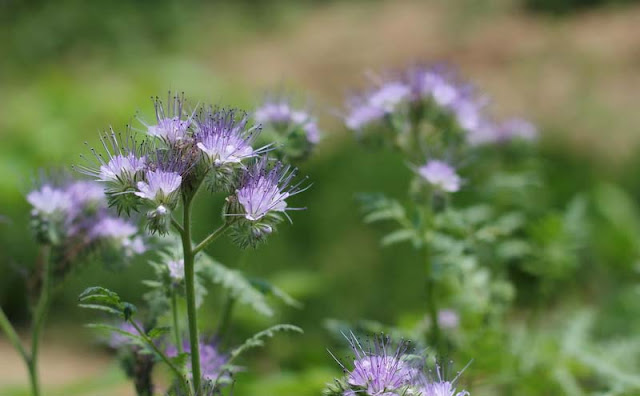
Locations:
column 189, row 277
column 176, row 322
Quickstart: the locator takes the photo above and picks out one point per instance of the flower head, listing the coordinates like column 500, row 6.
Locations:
column 159, row 186
column 171, row 124
column 224, row 137
column 278, row 113
column 48, row 200
column 370, row 108
column 120, row 233
column 379, row 369
column 176, row 269
column 430, row 385
column 448, row 319
column 264, row 189
column 441, row 175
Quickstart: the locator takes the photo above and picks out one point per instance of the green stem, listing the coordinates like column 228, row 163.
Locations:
column 223, row 326
column 39, row 317
column 189, row 277
column 176, row 322
column 212, row 237
column 11, row 334
column 158, row 352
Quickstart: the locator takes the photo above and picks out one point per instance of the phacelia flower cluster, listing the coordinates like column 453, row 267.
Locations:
column 183, row 150
column 434, row 95
column 294, row 130
column 72, row 217
column 440, row 175
column 380, row 369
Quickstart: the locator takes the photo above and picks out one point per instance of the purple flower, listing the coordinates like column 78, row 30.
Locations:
column 278, row 113
column 119, row 340
column 371, row 108
column 265, row 189
column 440, row 175
column 171, row 125
column 176, row 269
column 48, row 200
column 84, row 192
column 448, row 319
column 212, row 361
column 438, row 386
column 121, row 168
column 379, row 370
column 159, row 186
column 120, row 232
column 225, row 138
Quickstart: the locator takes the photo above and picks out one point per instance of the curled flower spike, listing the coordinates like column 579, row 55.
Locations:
column 224, row 137
column 171, row 124
column 441, row 175
column 265, row 189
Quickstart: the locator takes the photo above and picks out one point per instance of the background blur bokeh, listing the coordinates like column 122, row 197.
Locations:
column 69, row 69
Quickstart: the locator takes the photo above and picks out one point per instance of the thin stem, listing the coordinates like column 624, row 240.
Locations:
column 162, row 356
column 176, row 322
column 39, row 317
column 212, row 237
column 177, row 225
column 225, row 321
column 189, row 277
column 11, row 334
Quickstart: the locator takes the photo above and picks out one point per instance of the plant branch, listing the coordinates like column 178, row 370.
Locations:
column 212, row 237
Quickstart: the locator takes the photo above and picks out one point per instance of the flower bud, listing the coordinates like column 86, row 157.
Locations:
column 159, row 220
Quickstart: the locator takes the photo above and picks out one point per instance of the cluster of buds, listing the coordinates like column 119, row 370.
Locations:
column 294, row 130
column 72, row 217
column 181, row 151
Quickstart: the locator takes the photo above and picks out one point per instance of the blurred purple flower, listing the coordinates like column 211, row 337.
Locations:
column 119, row 340
column 212, row 361
column 441, row 175
column 278, row 113
column 448, row 319
column 176, row 269
column 48, row 200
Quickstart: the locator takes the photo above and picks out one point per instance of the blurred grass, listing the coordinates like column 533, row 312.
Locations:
column 74, row 68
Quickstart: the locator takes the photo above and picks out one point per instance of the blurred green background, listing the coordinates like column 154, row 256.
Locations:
column 69, row 69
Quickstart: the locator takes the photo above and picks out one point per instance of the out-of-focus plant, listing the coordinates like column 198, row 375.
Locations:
column 213, row 148
column 438, row 123
column 72, row 226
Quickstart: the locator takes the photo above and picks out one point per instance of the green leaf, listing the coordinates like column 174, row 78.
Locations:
column 402, row 235
column 257, row 340
column 134, row 338
column 239, row 287
column 159, row 331
column 267, row 288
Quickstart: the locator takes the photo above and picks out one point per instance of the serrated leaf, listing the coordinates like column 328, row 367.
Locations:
column 257, row 340
column 269, row 289
column 102, row 308
column 239, row 287
column 158, row 331
column 135, row 338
